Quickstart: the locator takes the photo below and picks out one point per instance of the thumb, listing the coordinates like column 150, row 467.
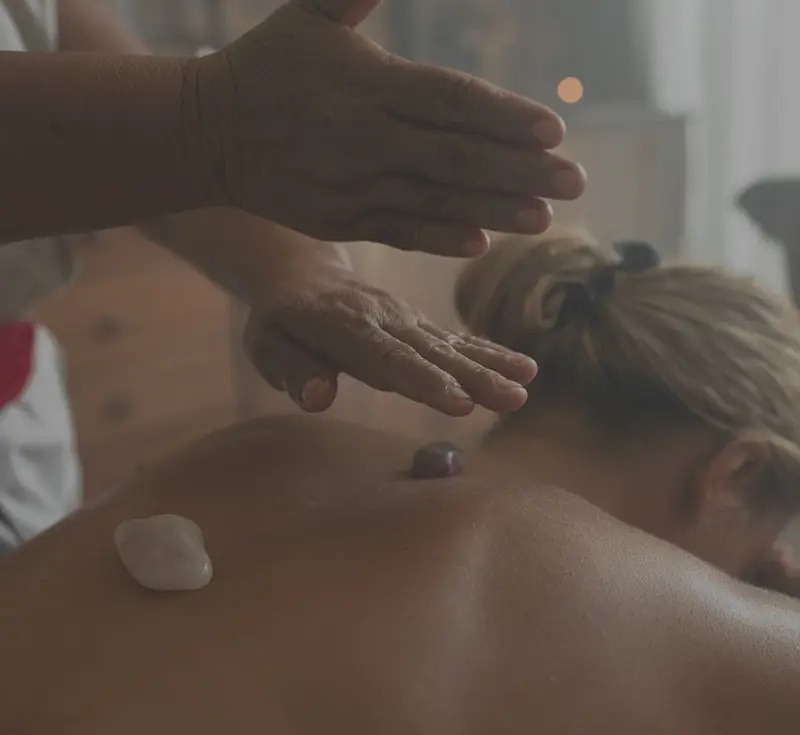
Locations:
column 288, row 367
column 348, row 13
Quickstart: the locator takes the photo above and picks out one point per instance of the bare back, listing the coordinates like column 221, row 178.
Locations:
column 350, row 599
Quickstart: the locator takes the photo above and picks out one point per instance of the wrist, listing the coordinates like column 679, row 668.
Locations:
column 197, row 147
column 168, row 138
column 294, row 265
column 103, row 141
column 290, row 263
column 207, row 110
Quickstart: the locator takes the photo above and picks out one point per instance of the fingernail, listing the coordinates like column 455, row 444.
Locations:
column 459, row 394
column 550, row 132
column 314, row 392
column 476, row 244
column 513, row 389
column 568, row 183
column 527, row 362
column 530, row 220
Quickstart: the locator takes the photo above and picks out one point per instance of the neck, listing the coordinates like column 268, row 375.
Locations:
column 561, row 452
column 631, row 479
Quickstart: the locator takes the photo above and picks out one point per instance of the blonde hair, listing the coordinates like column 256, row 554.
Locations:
column 673, row 344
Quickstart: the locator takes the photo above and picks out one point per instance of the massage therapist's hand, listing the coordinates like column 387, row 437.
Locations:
column 310, row 125
column 329, row 322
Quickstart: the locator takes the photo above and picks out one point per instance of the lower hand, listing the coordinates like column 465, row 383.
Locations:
column 331, row 323
column 310, row 125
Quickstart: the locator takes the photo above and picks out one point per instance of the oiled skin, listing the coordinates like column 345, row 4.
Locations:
column 350, row 599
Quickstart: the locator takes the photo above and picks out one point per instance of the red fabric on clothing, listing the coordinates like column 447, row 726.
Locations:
column 16, row 359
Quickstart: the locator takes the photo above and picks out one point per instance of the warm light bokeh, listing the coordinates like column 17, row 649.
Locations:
column 570, row 90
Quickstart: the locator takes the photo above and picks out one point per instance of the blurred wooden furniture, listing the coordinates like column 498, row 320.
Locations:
column 148, row 348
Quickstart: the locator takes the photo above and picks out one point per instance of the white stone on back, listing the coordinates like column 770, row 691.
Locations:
column 164, row 553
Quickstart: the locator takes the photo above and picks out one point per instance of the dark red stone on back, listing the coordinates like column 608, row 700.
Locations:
column 440, row 459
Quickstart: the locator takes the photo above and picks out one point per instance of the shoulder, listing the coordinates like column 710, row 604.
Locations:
column 268, row 467
column 305, row 442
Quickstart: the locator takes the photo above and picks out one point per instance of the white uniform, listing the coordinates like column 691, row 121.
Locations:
column 40, row 478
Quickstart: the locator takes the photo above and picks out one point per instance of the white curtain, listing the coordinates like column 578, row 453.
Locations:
column 732, row 67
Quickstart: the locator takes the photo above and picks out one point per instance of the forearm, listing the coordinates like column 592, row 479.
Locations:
column 241, row 253
column 90, row 141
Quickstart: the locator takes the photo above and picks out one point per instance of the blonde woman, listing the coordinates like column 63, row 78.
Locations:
column 588, row 572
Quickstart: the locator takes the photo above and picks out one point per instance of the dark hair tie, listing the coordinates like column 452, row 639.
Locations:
column 636, row 256
column 580, row 299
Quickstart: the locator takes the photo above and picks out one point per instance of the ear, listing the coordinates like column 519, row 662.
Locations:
column 729, row 483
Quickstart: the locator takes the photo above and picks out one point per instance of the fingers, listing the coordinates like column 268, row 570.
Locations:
column 469, row 162
column 444, row 98
column 345, row 12
column 367, row 353
column 386, row 363
column 475, row 136
column 382, row 343
column 488, row 210
column 412, row 232
column 512, row 365
column 484, row 385
column 309, row 381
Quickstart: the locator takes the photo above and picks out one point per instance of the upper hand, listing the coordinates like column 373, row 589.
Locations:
column 312, row 126
column 311, row 331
